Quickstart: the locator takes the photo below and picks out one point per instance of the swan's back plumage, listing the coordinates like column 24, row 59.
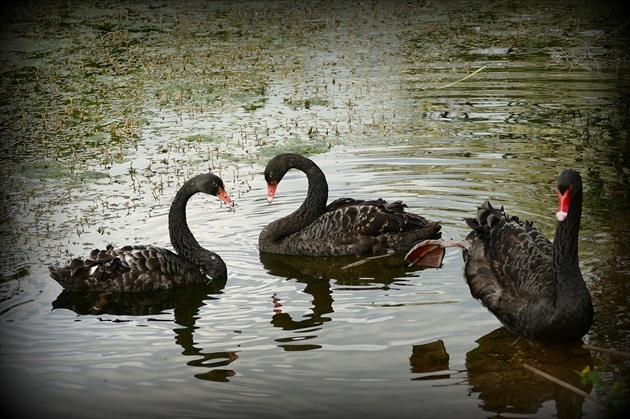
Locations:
column 518, row 255
column 359, row 227
column 130, row 268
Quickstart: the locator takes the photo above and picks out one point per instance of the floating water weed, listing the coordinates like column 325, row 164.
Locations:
column 612, row 395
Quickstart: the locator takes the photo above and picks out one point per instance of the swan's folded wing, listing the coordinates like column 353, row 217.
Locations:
column 369, row 218
column 520, row 258
column 367, row 227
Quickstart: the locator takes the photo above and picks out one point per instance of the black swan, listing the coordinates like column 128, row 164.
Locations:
column 342, row 228
column 534, row 287
column 136, row 268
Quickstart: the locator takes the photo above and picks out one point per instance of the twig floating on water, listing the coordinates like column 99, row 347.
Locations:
column 562, row 383
column 460, row 80
column 366, row 260
column 611, row 351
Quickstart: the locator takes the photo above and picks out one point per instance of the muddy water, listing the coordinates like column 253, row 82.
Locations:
column 109, row 109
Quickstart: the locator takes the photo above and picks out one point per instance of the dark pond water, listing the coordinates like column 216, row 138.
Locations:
column 108, row 107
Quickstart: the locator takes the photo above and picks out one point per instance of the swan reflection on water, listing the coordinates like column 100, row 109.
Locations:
column 345, row 270
column 496, row 373
column 185, row 303
column 316, row 272
column 494, row 369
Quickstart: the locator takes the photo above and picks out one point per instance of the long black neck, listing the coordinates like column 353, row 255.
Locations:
column 565, row 247
column 574, row 306
column 183, row 240
column 312, row 208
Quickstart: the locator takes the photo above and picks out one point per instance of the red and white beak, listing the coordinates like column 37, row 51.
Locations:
column 271, row 191
column 563, row 205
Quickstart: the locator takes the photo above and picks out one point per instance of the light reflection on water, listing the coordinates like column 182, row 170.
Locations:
column 288, row 337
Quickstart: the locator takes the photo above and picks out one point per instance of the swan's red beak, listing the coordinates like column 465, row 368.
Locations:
column 223, row 196
column 563, row 205
column 271, row 191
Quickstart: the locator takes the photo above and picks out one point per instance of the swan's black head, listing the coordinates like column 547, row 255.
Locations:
column 210, row 184
column 278, row 167
column 569, row 187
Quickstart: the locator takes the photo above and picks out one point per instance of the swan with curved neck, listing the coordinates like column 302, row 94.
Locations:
column 534, row 287
column 135, row 268
column 344, row 227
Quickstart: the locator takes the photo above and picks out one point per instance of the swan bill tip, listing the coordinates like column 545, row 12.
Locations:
column 271, row 191
column 561, row 215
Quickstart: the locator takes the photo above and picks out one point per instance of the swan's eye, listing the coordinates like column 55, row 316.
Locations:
column 215, row 184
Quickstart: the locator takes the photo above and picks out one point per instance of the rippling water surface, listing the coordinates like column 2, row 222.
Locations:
column 374, row 95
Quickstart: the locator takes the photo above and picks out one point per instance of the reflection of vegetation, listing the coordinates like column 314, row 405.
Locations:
column 431, row 360
column 496, row 372
column 588, row 53
column 612, row 394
